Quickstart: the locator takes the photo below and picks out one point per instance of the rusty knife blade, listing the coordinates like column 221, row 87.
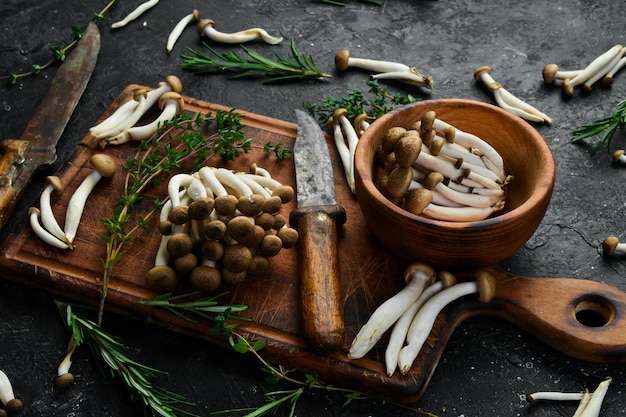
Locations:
column 317, row 219
column 22, row 157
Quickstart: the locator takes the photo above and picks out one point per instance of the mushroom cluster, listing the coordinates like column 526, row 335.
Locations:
column 436, row 170
column 43, row 220
column 507, row 100
column 604, row 68
column 383, row 70
column 411, row 313
column 220, row 226
column 589, row 404
column 121, row 126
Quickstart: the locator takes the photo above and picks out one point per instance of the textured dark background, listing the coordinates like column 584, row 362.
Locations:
column 489, row 364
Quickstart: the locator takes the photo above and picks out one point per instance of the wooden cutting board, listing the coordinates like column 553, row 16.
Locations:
column 370, row 275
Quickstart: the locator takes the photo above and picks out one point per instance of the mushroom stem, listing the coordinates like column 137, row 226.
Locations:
column 608, row 78
column 586, row 86
column 592, row 408
column 47, row 216
column 141, row 9
column 417, row 277
column 423, row 321
column 419, row 202
column 140, row 96
column 206, row 28
column 411, row 77
column 595, row 66
column 64, row 378
column 178, row 29
column 551, row 72
column 554, row 396
column 42, row 233
column 103, row 166
column 349, row 133
column 434, row 182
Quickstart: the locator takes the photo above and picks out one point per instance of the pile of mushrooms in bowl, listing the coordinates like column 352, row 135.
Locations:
column 458, row 244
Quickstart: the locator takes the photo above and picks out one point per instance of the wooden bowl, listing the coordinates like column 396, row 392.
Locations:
column 462, row 245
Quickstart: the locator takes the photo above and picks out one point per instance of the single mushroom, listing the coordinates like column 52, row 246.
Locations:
column 419, row 202
column 138, row 11
column 422, row 323
column 554, row 396
column 47, row 216
column 179, row 27
column 206, row 27
column 612, row 246
column 361, row 123
column 34, row 217
column 552, row 72
column 12, row 405
column 619, row 157
column 383, row 69
column 417, row 276
column 161, row 277
column 64, row 378
column 103, row 166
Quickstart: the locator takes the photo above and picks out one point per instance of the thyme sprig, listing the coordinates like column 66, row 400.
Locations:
column 606, row 126
column 300, row 67
column 109, row 354
column 182, row 139
column 58, row 53
column 379, row 102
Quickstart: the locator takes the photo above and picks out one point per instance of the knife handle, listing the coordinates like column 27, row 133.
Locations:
column 320, row 278
column 13, row 153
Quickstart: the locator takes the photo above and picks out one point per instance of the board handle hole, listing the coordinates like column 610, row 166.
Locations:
column 594, row 312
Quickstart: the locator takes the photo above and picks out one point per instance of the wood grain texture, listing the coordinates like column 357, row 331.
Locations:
column 370, row 275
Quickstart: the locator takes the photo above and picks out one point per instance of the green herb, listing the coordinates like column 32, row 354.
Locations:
column 300, row 67
column 606, row 126
column 109, row 354
column 182, row 139
column 356, row 103
column 58, row 53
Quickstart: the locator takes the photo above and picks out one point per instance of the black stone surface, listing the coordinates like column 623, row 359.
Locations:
column 489, row 365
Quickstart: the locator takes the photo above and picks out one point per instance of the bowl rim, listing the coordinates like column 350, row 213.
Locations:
column 543, row 190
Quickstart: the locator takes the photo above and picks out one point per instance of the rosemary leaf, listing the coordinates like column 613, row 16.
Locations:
column 607, row 127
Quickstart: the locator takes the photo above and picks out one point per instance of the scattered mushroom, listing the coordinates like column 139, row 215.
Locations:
column 64, row 378
column 141, row 9
column 508, row 101
column 619, row 157
column 417, row 276
column 103, row 166
column 590, row 403
column 47, row 216
column 179, row 27
column 12, row 405
column 34, row 217
column 612, row 246
column 206, row 27
column 422, row 323
column 383, row 69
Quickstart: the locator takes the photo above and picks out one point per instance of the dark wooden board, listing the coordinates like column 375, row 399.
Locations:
column 370, row 275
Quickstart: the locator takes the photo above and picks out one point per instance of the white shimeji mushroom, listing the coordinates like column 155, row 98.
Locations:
column 619, row 157
column 179, row 27
column 422, row 323
column 604, row 71
column 383, row 69
column 608, row 77
column 139, row 10
column 345, row 134
column 47, row 216
column 42, row 233
column 612, row 246
column 206, row 27
column 597, row 65
column 64, row 378
column 417, row 276
column 508, row 101
column 419, row 202
column 552, row 72
column 103, row 166
column 12, row 405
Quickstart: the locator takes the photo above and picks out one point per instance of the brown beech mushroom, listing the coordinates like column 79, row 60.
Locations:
column 103, row 166
column 12, row 405
column 64, row 378
column 611, row 246
column 422, row 324
column 236, row 258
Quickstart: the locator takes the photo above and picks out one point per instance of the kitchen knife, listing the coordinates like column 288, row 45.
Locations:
column 317, row 218
column 36, row 148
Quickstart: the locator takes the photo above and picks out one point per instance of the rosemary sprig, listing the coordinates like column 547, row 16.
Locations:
column 58, row 53
column 356, row 102
column 606, row 126
column 108, row 352
column 300, row 67
column 177, row 141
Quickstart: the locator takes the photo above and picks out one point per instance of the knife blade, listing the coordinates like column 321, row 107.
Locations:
column 317, row 218
column 36, row 148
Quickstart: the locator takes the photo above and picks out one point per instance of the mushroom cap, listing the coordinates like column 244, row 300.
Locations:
column 104, row 164
column 171, row 96
column 179, row 215
column 179, row 244
column 568, row 90
column 341, row 60
column 417, row 200
column 407, row 149
column 609, row 245
column 237, row 258
column 186, row 263
column 480, row 70
column 486, row 283
column 205, row 278
column 250, row 205
column 226, row 204
column 421, row 268
column 279, row 221
column 140, row 92
column 270, row 245
column 339, row 113
column 233, row 278
column 64, row 381
column 399, row 180
column 272, row 204
column 432, row 180
column 212, row 250
column 240, row 228
column 201, row 208
column 259, row 265
column 617, row 154
column 390, row 138
column 435, row 146
column 285, row 192
column 161, row 278
column 549, row 72
column 14, row 406
column 203, row 24
column 447, row 279
column 175, row 83
column 34, row 210
column 55, row 182
column 427, row 120
column 360, row 119
column 289, row 236
column 264, row 220
column 215, row 229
